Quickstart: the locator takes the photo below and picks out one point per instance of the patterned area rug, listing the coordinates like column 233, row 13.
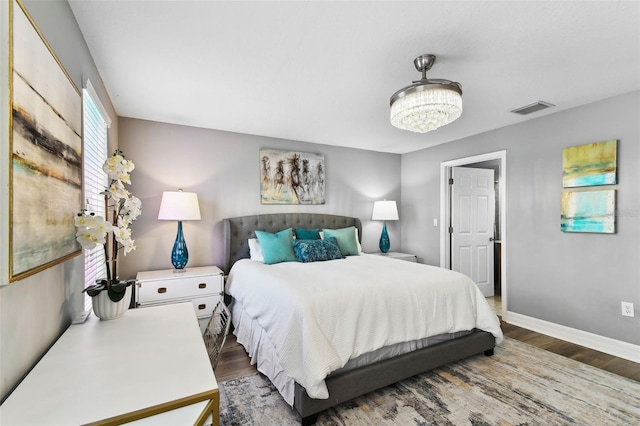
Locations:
column 519, row 385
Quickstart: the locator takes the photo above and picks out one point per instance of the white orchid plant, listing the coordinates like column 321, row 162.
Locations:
column 112, row 231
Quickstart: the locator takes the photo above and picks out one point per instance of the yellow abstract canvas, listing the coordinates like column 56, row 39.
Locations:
column 589, row 165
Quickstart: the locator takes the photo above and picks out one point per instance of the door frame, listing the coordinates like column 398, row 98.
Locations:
column 445, row 211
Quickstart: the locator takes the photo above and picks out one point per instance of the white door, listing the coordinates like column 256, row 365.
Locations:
column 472, row 225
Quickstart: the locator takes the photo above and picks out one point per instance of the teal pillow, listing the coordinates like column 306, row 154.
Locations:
column 307, row 234
column 277, row 247
column 346, row 239
column 316, row 250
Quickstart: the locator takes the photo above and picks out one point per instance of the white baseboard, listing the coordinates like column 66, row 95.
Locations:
column 593, row 341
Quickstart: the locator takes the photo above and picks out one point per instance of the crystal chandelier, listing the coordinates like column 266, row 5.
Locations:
column 428, row 103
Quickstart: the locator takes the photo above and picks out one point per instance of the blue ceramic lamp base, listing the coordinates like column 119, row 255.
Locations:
column 384, row 239
column 179, row 254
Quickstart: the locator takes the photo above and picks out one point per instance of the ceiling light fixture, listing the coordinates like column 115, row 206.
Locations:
column 428, row 103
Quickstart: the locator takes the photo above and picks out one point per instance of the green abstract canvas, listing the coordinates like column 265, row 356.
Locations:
column 588, row 211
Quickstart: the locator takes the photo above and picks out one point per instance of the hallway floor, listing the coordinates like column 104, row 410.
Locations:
column 496, row 304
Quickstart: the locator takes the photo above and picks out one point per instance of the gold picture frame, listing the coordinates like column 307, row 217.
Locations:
column 45, row 140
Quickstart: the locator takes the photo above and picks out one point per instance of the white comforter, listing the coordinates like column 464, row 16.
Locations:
column 319, row 315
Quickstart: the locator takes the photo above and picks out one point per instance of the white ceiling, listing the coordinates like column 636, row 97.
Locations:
column 323, row 72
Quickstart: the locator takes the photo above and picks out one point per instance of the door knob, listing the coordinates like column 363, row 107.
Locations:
column 492, row 239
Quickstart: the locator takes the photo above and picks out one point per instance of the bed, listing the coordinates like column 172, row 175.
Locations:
column 296, row 336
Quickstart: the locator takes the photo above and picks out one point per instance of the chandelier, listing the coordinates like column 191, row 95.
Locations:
column 428, row 103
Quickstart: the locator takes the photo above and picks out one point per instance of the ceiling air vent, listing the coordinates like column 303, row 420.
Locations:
column 536, row 106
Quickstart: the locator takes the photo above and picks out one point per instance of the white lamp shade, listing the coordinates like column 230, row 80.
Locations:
column 179, row 205
column 385, row 210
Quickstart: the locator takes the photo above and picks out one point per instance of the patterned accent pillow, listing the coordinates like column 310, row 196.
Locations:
column 316, row 250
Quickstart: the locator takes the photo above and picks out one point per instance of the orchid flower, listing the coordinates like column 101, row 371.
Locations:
column 125, row 208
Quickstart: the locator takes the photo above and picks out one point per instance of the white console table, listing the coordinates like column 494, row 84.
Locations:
column 150, row 362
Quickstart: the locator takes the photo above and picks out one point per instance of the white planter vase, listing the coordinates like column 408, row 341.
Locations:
column 106, row 309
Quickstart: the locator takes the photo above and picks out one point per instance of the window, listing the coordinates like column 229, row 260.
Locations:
column 95, row 125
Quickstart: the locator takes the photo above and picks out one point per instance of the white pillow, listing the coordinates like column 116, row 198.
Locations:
column 357, row 240
column 255, row 251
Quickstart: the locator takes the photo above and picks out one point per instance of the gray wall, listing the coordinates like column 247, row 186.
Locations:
column 223, row 169
column 36, row 310
column 575, row 280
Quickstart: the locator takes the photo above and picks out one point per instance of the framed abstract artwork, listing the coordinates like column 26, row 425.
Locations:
column 291, row 177
column 589, row 165
column 588, row 211
column 45, row 138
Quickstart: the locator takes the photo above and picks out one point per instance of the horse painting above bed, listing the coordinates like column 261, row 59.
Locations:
column 343, row 323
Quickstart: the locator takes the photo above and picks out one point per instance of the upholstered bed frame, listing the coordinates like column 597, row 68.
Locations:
column 237, row 230
column 348, row 385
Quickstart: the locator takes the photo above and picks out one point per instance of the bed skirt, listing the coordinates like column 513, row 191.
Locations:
column 263, row 354
column 261, row 351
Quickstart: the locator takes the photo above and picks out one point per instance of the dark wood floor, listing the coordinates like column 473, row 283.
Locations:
column 234, row 362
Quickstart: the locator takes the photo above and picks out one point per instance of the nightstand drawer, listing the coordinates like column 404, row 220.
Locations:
column 204, row 305
column 183, row 288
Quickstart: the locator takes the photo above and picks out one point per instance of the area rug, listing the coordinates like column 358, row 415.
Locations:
column 519, row 385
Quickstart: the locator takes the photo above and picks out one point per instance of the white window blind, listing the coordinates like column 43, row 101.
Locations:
column 95, row 126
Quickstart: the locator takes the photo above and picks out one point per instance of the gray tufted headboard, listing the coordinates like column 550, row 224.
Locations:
column 237, row 230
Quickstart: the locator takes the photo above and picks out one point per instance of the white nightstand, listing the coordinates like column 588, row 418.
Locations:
column 399, row 256
column 203, row 286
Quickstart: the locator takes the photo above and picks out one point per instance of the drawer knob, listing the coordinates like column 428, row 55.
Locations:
column 202, row 306
column 202, row 285
column 162, row 290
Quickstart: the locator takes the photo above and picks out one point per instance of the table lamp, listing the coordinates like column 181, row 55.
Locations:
column 179, row 205
column 384, row 210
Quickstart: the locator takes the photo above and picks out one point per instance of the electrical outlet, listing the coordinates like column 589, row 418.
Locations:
column 627, row 309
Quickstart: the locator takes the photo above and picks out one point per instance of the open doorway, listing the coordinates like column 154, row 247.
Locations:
column 495, row 161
